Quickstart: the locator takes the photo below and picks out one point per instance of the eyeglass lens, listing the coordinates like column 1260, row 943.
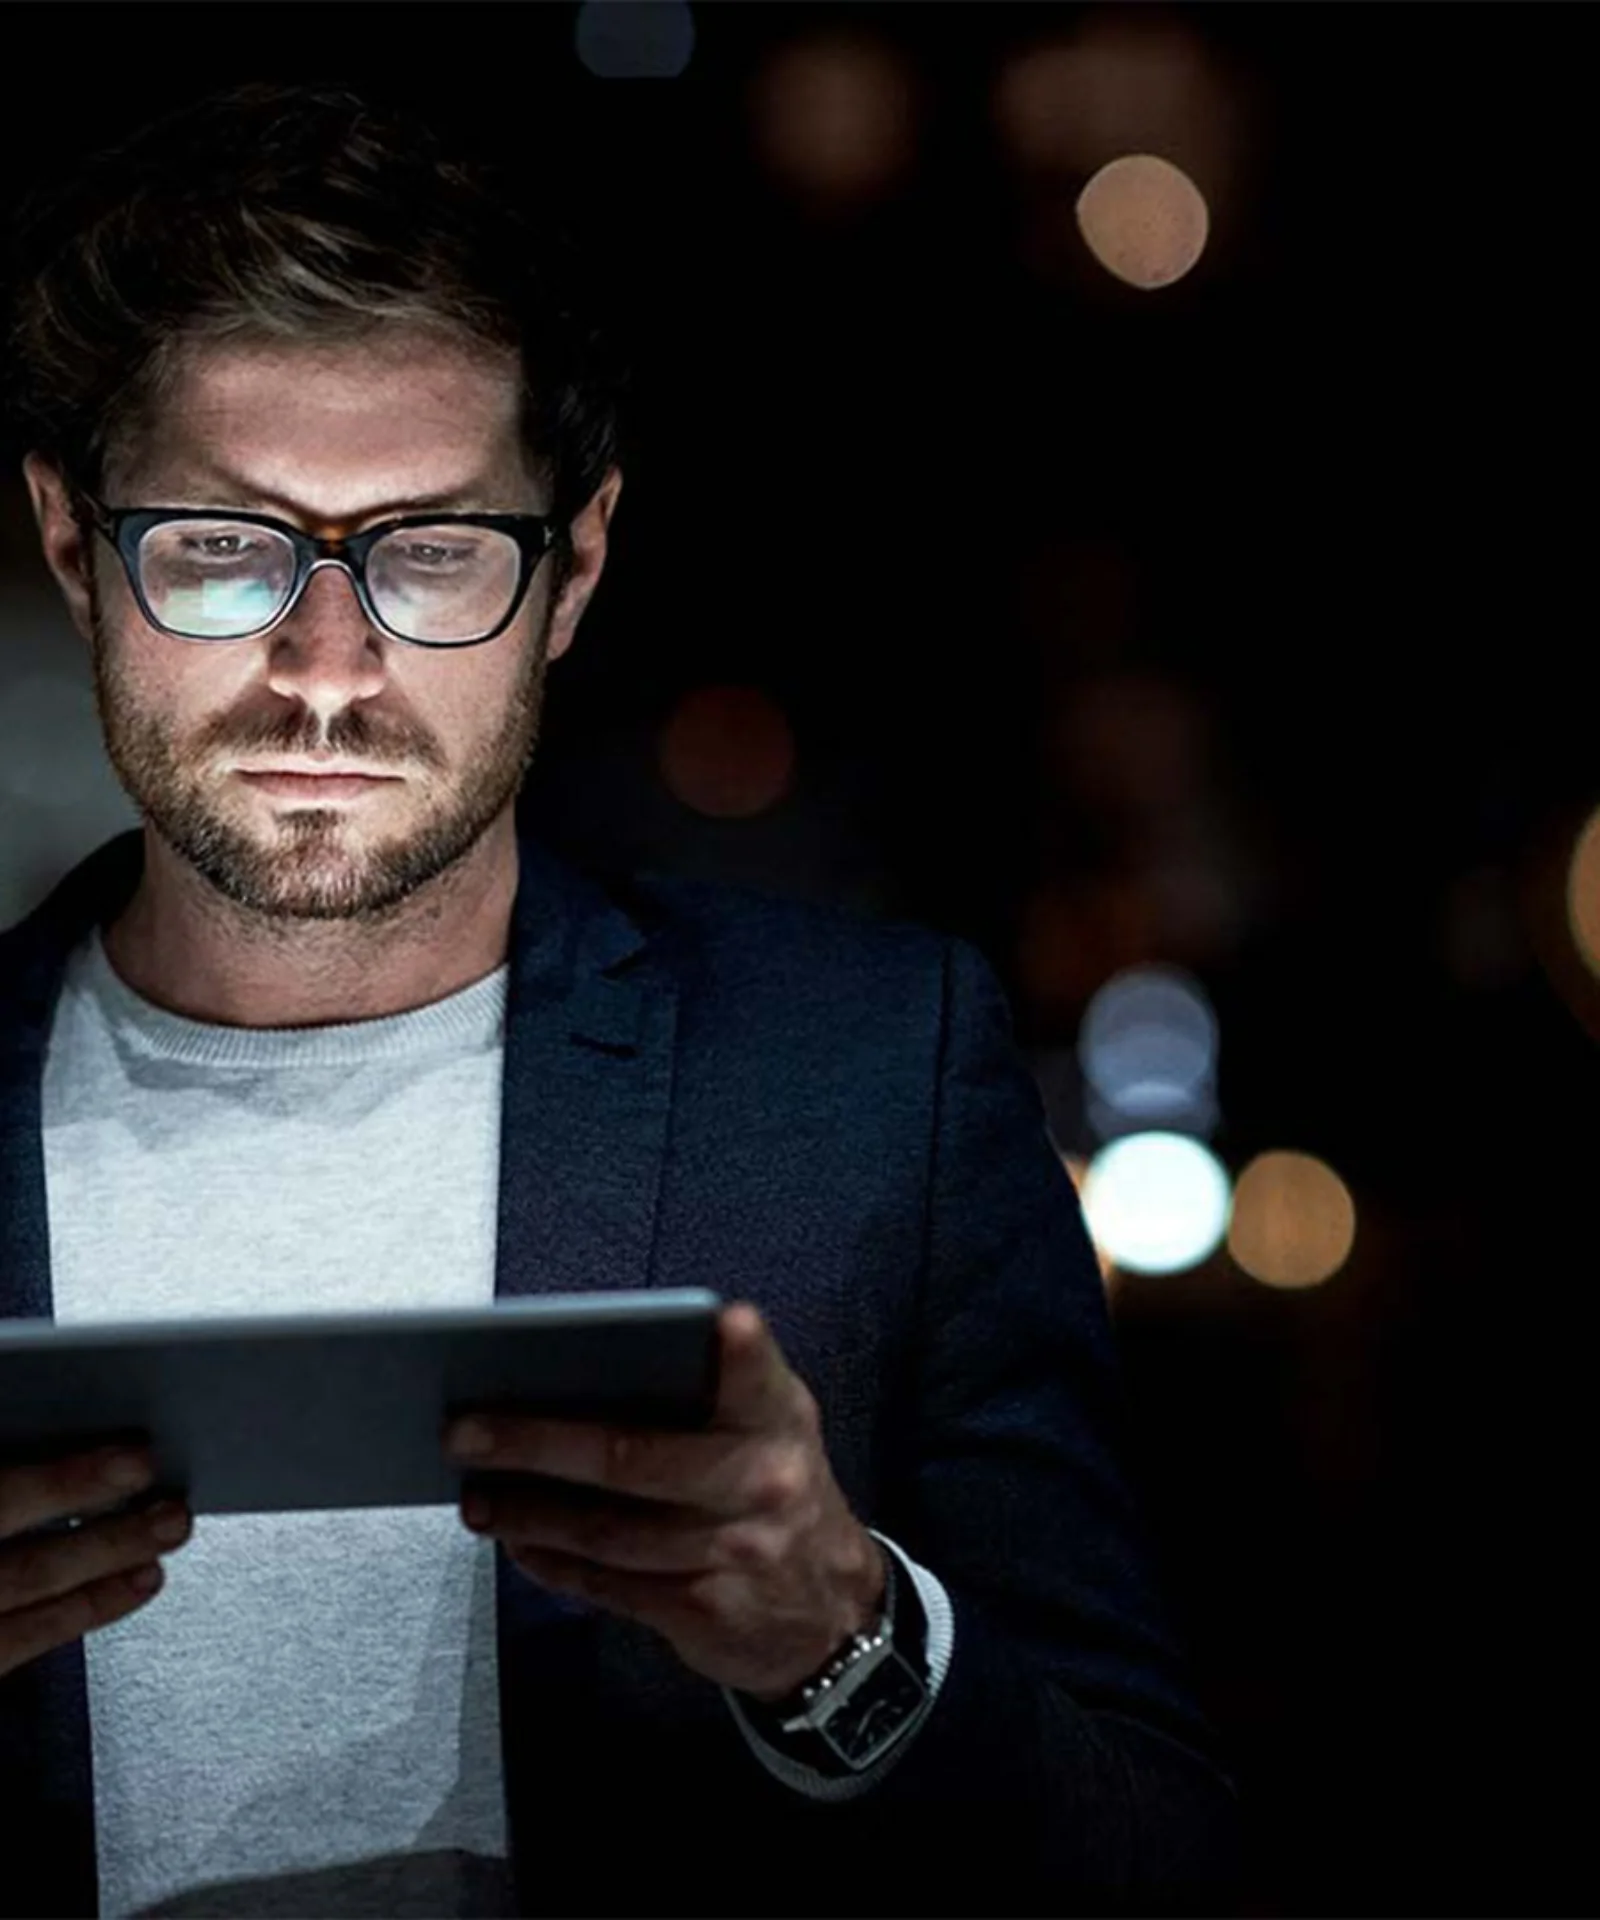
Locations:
column 223, row 579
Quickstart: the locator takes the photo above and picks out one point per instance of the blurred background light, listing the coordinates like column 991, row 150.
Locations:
column 1136, row 740
column 1583, row 893
column 727, row 752
column 634, row 39
column 1148, row 1047
column 1156, row 1202
column 1072, row 934
column 834, row 118
column 1144, row 220
column 1294, row 1222
column 1120, row 84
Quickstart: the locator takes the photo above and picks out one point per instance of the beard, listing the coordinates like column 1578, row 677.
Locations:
column 310, row 863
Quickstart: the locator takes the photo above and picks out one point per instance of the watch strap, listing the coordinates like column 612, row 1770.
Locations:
column 812, row 1747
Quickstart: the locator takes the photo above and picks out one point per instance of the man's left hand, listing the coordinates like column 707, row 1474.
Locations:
column 735, row 1543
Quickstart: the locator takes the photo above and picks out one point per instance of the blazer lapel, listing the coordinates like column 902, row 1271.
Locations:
column 591, row 1016
column 33, row 959
column 45, row 1753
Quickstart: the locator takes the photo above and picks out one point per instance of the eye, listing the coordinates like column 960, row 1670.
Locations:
column 433, row 553
column 231, row 545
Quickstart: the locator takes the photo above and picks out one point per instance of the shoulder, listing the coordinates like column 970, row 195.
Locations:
column 826, row 977
column 745, row 932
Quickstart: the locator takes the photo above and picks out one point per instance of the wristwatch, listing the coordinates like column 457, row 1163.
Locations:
column 857, row 1706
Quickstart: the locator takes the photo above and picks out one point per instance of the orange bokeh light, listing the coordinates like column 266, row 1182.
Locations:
column 1144, row 220
column 1293, row 1221
column 1120, row 84
column 727, row 752
column 834, row 117
column 1583, row 893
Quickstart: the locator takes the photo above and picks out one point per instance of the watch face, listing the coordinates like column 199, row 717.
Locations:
column 870, row 1723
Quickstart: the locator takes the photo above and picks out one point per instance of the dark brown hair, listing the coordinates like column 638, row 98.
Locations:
column 295, row 212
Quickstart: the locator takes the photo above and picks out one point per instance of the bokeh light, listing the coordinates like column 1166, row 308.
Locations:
column 1583, row 893
column 1294, row 1222
column 1135, row 740
column 727, row 752
column 634, row 39
column 834, row 117
column 1144, row 220
column 1148, row 1047
column 1065, row 106
column 1156, row 1202
column 1074, row 934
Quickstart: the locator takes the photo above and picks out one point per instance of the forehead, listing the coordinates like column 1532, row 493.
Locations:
column 336, row 426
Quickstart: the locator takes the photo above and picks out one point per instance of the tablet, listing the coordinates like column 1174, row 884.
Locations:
column 258, row 1415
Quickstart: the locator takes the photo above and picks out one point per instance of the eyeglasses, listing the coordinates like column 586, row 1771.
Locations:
column 432, row 580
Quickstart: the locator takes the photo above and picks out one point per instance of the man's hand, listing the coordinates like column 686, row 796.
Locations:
column 734, row 1543
column 67, row 1565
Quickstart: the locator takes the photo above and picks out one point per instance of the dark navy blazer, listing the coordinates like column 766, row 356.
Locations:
column 826, row 1115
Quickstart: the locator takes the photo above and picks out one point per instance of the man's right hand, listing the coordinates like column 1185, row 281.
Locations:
column 56, row 1587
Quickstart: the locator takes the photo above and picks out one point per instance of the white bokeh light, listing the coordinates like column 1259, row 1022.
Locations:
column 1156, row 1202
column 1148, row 1048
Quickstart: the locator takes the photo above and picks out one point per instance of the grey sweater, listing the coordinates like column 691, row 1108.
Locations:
column 305, row 1719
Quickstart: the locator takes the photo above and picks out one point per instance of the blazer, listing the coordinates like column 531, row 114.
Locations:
column 824, row 1114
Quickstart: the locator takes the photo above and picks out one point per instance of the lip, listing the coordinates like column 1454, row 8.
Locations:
column 316, row 786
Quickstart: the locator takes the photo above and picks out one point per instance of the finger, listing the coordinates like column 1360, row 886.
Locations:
column 42, row 1491
column 37, row 1630
column 637, row 1596
column 43, row 1566
column 757, row 1389
column 707, row 1470
column 632, row 1538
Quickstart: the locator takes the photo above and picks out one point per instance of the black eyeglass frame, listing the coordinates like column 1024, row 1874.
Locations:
column 126, row 527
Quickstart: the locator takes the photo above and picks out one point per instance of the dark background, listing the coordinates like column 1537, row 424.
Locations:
column 1043, row 571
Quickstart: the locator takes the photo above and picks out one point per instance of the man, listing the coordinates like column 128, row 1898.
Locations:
column 324, row 462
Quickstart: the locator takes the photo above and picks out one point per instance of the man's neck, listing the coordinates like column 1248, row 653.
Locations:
column 184, row 948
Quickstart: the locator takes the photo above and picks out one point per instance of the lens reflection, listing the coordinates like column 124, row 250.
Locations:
column 224, row 580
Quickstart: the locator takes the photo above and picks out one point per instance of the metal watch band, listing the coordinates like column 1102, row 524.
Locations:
column 850, row 1727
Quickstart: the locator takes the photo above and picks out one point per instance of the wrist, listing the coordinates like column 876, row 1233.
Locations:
column 846, row 1715
column 861, row 1605
column 868, row 1593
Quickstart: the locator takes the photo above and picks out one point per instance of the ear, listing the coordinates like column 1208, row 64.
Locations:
column 66, row 551
column 588, row 561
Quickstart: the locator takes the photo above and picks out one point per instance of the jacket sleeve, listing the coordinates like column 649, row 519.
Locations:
column 1065, row 1730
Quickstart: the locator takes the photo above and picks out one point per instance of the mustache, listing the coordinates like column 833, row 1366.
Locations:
column 350, row 736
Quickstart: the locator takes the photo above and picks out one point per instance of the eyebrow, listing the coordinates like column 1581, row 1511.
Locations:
column 228, row 490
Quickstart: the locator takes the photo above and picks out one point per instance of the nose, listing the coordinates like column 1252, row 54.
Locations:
column 325, row 651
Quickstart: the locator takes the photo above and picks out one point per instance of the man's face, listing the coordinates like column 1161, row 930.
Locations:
column 331, row 440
